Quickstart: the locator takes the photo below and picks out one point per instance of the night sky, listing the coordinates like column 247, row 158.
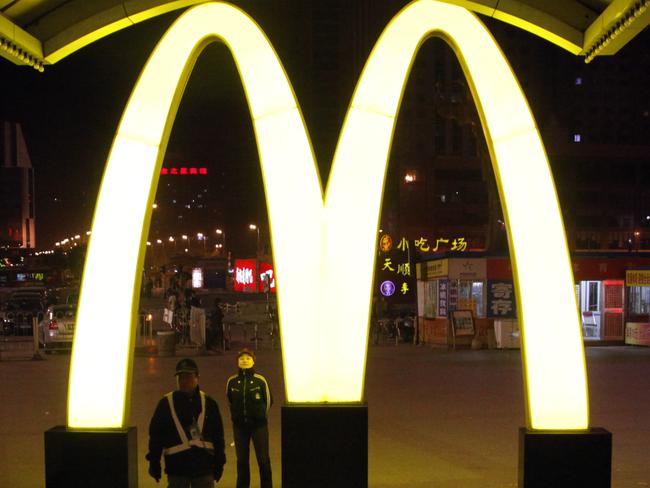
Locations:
column 70, row 112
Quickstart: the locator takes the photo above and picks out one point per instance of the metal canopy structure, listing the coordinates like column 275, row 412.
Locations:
column 42, row 32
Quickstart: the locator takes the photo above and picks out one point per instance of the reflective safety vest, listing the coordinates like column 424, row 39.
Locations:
column 185, row 442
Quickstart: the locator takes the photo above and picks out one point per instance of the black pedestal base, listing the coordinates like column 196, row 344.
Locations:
column 325, row 446
column 91, row 459
column 565, row 459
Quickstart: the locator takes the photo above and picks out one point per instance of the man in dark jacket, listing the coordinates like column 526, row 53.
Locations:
column 215, row 331
column 187, row 428
column 250, row 398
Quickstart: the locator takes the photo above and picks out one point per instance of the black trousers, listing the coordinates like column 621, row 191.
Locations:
column 260, row 437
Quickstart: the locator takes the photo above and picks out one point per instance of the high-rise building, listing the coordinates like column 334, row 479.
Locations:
column 17, row 216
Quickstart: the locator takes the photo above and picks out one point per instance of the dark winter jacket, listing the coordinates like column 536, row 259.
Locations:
column 249, row 397
column 195, row 461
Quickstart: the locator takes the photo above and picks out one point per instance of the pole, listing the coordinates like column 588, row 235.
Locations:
column 37, row 355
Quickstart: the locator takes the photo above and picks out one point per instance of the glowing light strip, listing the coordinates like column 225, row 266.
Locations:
column 100, row 372
column 552, row 351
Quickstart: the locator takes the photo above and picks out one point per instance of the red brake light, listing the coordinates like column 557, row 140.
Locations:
column 53, row 325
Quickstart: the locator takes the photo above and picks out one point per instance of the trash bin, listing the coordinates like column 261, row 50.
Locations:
column 166, row 340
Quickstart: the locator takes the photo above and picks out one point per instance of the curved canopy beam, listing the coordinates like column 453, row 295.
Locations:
column 41, row 32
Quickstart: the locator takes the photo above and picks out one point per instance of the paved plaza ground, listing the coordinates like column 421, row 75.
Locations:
column 437, row 418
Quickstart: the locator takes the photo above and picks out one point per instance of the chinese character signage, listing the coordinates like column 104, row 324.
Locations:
column 501, row 299
column 395, row 271
column 437, row 269
column 184, row 171
column 443, row 297
column 452, row 295
column 440, row 244
column 250, row 279
column 637, row 277
column 245, row 275
column 267, row 278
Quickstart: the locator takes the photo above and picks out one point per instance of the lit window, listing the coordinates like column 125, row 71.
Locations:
column 577, row 138
column 579, row 80
column 410, row 176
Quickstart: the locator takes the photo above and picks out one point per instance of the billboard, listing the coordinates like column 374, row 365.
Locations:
column 245, row 275
column 251, row 276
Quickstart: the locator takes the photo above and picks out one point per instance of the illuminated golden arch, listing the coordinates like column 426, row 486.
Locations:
column 324, row 319
column 552, row 348
column 100, row 373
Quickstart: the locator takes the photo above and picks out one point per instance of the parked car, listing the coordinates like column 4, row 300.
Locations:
column 56, row 330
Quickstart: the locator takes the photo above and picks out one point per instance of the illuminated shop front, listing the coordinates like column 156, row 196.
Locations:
column 637, row 326
column 449, row 285
column 612, row 294
column 605, row 295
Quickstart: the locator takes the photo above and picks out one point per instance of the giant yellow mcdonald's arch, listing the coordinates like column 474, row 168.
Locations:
column 324, row 325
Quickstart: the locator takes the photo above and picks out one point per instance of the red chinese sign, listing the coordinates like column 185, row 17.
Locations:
column 250, row 278
column 184, row 171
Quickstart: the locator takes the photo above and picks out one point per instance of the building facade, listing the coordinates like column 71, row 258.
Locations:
column 17, row 213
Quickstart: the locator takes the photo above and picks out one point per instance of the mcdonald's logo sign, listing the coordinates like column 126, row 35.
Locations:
column 342, row 223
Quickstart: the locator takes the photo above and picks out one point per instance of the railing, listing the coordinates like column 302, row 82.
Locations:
column 402, row 330
column 255, row 321
column 23, row 345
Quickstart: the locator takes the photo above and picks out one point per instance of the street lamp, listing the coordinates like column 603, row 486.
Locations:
column 222, row 233
column 257, row 244
column 171, row 239
column 201, row 237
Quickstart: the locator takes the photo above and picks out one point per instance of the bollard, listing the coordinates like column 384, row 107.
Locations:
column 37, row 355
column 166, row 340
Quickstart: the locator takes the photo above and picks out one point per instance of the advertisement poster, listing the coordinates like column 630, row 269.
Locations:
column 452, row 295
column 463, row 323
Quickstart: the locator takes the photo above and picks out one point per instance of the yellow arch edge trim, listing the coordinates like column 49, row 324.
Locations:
column 101, row 363
column 552, row 352
column 106, row 23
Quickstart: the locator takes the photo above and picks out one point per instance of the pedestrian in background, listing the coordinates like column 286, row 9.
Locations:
column 215, row 331
column 187, row 428
column 250, row 398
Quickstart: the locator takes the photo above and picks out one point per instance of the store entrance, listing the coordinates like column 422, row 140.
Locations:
column 590, row 299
